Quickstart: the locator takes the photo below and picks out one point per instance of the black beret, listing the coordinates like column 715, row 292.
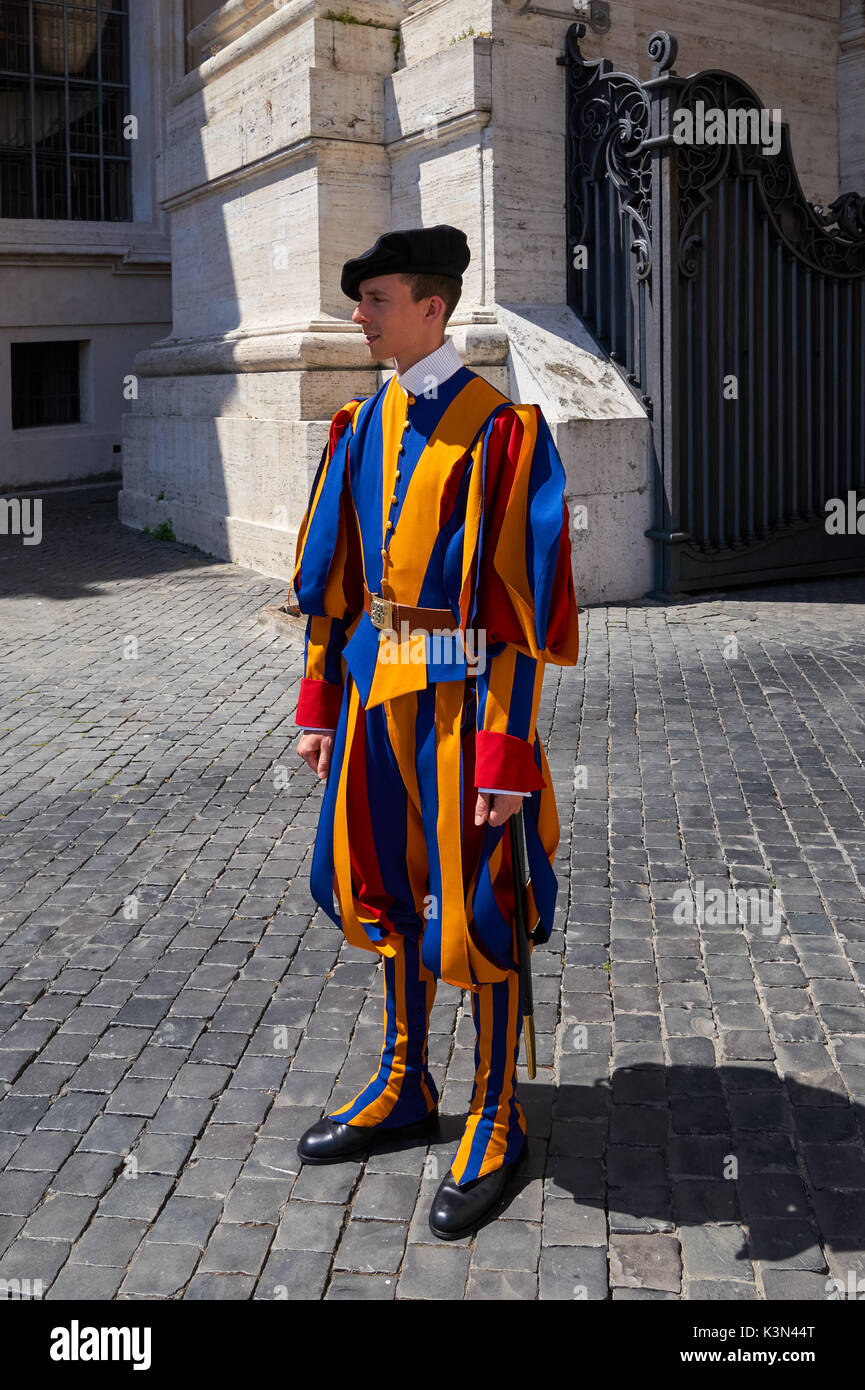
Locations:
column 440, row 250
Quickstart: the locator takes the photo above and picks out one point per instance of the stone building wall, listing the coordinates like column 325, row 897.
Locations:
column 298, row 139
column 102, row 284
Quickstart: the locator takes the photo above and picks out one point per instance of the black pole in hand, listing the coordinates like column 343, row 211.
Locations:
column 519, row 860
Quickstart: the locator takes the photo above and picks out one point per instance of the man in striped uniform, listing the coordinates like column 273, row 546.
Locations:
column 433, row 562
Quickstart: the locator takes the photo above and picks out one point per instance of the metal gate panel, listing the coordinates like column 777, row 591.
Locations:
column 733, row 307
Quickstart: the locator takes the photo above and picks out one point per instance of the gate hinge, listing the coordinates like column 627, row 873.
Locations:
column 596, row 14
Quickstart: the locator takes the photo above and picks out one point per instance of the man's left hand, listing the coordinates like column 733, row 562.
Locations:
column 495, row 807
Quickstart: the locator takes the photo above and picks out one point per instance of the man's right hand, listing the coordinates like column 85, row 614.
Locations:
column 316, row 751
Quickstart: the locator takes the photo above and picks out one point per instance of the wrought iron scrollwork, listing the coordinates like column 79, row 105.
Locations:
column 663, row 50
column 802, row 226
column 642, row 253
column 609, row 121
column 708, row 265
column 847, row 212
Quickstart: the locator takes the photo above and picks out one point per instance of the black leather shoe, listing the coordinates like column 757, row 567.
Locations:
column 329, row 1141
column 456, row 1211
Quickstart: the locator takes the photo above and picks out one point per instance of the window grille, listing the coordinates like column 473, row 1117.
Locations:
column 45, row 384
column 64, row 92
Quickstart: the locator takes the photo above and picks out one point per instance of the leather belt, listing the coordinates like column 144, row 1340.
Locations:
column 385, row 613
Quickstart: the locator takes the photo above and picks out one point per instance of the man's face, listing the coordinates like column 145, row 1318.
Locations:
column 393, row 324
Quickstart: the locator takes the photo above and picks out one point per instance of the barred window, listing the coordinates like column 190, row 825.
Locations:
column 64, row 92
column 45, row 384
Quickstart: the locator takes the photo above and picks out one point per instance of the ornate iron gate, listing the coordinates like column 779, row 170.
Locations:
column 736, row 311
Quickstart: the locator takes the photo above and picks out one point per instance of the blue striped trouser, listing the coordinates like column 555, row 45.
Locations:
column 402, row 1090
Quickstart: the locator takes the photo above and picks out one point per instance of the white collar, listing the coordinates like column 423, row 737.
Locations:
column 435, row 368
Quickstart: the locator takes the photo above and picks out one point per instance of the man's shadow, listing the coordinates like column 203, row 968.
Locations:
column 660, row 1147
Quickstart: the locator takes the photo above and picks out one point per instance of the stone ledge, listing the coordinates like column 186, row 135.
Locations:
column 325, row 348
column 285, row 618
column 228, row 22
column 240, row 29
column 558, row 364
column 74, row 494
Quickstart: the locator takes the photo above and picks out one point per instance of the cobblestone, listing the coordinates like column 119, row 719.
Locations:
column 174, row 1012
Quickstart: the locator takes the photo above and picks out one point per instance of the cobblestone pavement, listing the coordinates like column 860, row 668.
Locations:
column 173, row 1015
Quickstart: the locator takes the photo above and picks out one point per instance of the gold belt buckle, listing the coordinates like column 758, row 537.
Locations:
column 380, row 612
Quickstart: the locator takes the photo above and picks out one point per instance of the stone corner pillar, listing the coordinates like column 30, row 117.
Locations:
column 273, row 174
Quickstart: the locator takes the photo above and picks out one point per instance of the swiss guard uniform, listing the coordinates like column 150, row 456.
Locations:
column 435, row 541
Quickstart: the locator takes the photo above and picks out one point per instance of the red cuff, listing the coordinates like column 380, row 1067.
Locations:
column 504, row 761
column 319, row 703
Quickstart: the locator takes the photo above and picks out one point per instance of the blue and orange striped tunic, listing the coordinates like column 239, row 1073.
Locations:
column 452, row 500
